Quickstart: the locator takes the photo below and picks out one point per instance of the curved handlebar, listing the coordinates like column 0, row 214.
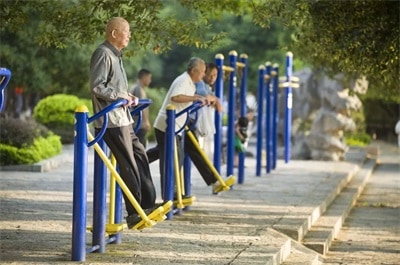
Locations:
column 137, row 110
column 192, row 108
column 6, row 73
column 143, row 103
column 106, row 110
column 114, row 105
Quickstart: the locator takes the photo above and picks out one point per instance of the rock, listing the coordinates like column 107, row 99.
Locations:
column 327, row 103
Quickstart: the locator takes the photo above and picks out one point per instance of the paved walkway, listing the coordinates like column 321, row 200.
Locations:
column 371, row 233
column 255, row 223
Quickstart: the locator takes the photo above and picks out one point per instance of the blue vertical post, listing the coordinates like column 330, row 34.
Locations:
column 79, row 186
column 260, row 97
column 169, row 151
column 275, row 115
column 243, row 112
column 268, row 112
column 99, row 200
column 231, row 114
column 219, row 92
column 288, row 109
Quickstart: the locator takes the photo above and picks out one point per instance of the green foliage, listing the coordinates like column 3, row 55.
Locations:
column 358, row 139
column 19, row 133
column 353, row 37
column 57, row 112
column 44, row 70
column 381, row 117
column 26, row 142
column 356, row 38
column 42, row 148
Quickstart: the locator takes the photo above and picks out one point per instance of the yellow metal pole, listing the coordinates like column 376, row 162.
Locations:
column 178, row 181
column 136, row 205
column 206, row 159
column 111, row 214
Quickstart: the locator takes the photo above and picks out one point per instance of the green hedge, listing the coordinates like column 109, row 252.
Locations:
column 57, row 112
column 26, row 142
column 42, row 148
column 358, row 139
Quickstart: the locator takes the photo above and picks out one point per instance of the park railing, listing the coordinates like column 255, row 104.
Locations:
column 232, row 71
column 268, row 119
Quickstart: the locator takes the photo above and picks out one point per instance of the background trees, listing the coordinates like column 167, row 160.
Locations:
column 47, row 44
column 355, row 37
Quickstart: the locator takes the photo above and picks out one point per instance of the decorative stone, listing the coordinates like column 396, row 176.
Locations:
column 327, row 103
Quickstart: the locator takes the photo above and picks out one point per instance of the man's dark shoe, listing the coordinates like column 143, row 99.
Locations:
column 134, row 219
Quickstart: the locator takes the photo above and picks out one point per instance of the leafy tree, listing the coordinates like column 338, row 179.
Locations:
column 354, row 37
column 357, row 37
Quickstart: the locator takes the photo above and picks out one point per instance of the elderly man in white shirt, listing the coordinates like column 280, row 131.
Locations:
column 181, row 94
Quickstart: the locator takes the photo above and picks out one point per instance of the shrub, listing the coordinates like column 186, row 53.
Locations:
column 42, row 148
column 358, row 139
column 57, row 112
column 26, row 142
column 19, row 133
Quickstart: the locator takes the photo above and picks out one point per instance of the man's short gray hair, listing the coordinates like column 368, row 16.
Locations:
column 194, row 62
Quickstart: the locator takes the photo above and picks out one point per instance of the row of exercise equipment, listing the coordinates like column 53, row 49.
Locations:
column 102, row 233
column 269, row 84
column 106, row 233
column 177, row 188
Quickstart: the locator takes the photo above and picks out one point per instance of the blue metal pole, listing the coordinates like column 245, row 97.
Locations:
column 268, row 136
column 231, row 114
column 118, row 211
column 168, row 193
column 7, row 76
column 260, row 89
column 219, row 92
column 288, row 109
column 79, row 187
column 275, row 115
column 243, row 112
column 99, row 200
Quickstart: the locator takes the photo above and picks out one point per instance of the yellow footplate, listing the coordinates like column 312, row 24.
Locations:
column 155, row 215
column 158, row 215
column 185, row 202
column 226, row 185
column 114, row 228
column 167, row 207
column 110, row 228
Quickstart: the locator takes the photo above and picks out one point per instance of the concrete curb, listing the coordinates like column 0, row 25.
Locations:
column 302, row 255
column 321, row 235
column 299, row 228
column 272, row 245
